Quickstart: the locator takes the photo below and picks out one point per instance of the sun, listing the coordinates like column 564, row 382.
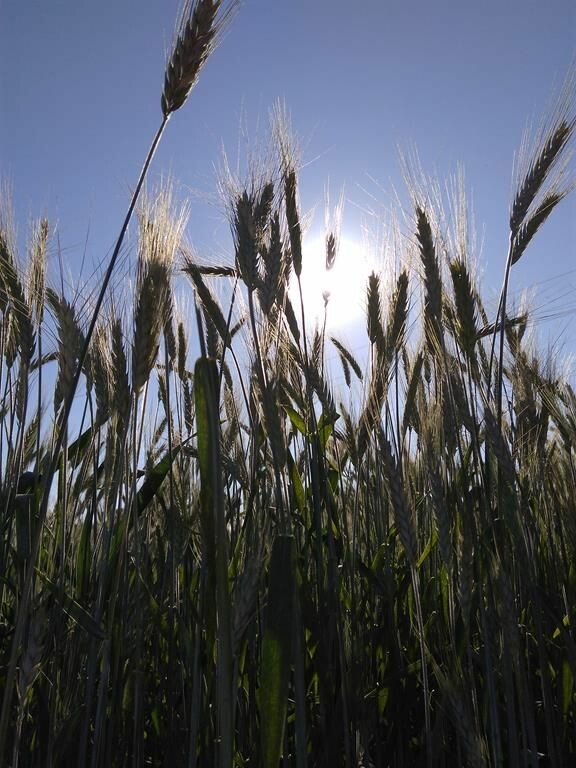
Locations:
column 338, row 293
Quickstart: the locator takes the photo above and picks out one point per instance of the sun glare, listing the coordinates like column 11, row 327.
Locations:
column 340, row 291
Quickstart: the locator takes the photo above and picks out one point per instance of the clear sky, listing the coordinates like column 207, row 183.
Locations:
column 80, row 86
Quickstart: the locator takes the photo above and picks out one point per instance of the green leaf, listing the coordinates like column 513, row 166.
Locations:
column 296, row 419
column 116, row 543
column 155, row 478
column 372, row 578
column 567, row 687
column 206, row 392
column 297, row 487
column 379, row 562
column 207, row 425
column 432, row 541
column 326, row 428
column 24, row 526
column 277, row 650
column 155, row 717
column 83, row 557
column 558, row 631
column 74, row 610
column 78, row 447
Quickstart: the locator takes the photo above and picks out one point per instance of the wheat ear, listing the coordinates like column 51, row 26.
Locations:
column 538, row 171
column 70, row 339
column 432, row 281
column 542, row 178
column 374, row 310
column 160, row 236
column 201, row 25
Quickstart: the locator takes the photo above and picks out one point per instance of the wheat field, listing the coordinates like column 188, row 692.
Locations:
column 219, row 558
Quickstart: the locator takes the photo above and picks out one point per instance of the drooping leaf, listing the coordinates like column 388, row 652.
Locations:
column 296, row 419
column 74, row 610
column 297, row 486
column 155, row 478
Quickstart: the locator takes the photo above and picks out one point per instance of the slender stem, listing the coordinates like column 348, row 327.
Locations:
column 500, row 380
column 137, row 740
column 227, row 342
column 425, row 682
column 27, row 587
column 266, row 393
column 170, row 683
column 499, row 329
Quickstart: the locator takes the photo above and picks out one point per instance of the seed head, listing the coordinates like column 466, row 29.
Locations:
column 199, row 30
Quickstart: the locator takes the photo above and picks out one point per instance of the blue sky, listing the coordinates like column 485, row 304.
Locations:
column 80, row 86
